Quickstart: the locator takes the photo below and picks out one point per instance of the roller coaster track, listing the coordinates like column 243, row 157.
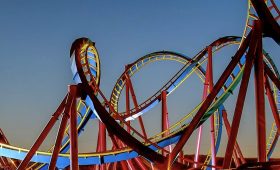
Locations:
column 85, row 66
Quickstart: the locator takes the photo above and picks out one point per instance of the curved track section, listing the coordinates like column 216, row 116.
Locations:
column 171, row 85
column 123, row 154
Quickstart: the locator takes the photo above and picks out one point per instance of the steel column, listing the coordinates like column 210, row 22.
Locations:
column 164, row 113
column 42, row 136
column 259, row 90
column 188, row 131
column 164, row 118
column 241, row 96
column 73, row 130
column 212, row 118
column 102, row 144
column 206, row 84
column 127, row 101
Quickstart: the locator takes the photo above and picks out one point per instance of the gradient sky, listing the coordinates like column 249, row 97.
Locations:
column 35, row 39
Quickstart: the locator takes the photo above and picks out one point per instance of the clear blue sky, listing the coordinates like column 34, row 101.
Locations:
column 35, row 39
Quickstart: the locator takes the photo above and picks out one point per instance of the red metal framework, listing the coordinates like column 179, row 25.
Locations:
column 167, row 157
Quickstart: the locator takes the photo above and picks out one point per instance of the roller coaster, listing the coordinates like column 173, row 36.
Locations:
column 135, row 150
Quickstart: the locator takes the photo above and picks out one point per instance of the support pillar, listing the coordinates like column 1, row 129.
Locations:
column 212, row 118
column 102, row 144
column 259, row 90
column 199, row 135
column 164, row 118
column 73, row 130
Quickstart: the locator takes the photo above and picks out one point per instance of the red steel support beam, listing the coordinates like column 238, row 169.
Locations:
column 127, row 101
column 73, row 130
column 102, row 132
column 241, row 95
column 228, row 129
column 128, row 82
column 102, row 137
column 59, row 138
column 164, row 114
column 212, row 118
column 188, row 131
column 206, row 84
column 164, row 117
column 43, row 135
column 272, row 103
column 259, row 90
